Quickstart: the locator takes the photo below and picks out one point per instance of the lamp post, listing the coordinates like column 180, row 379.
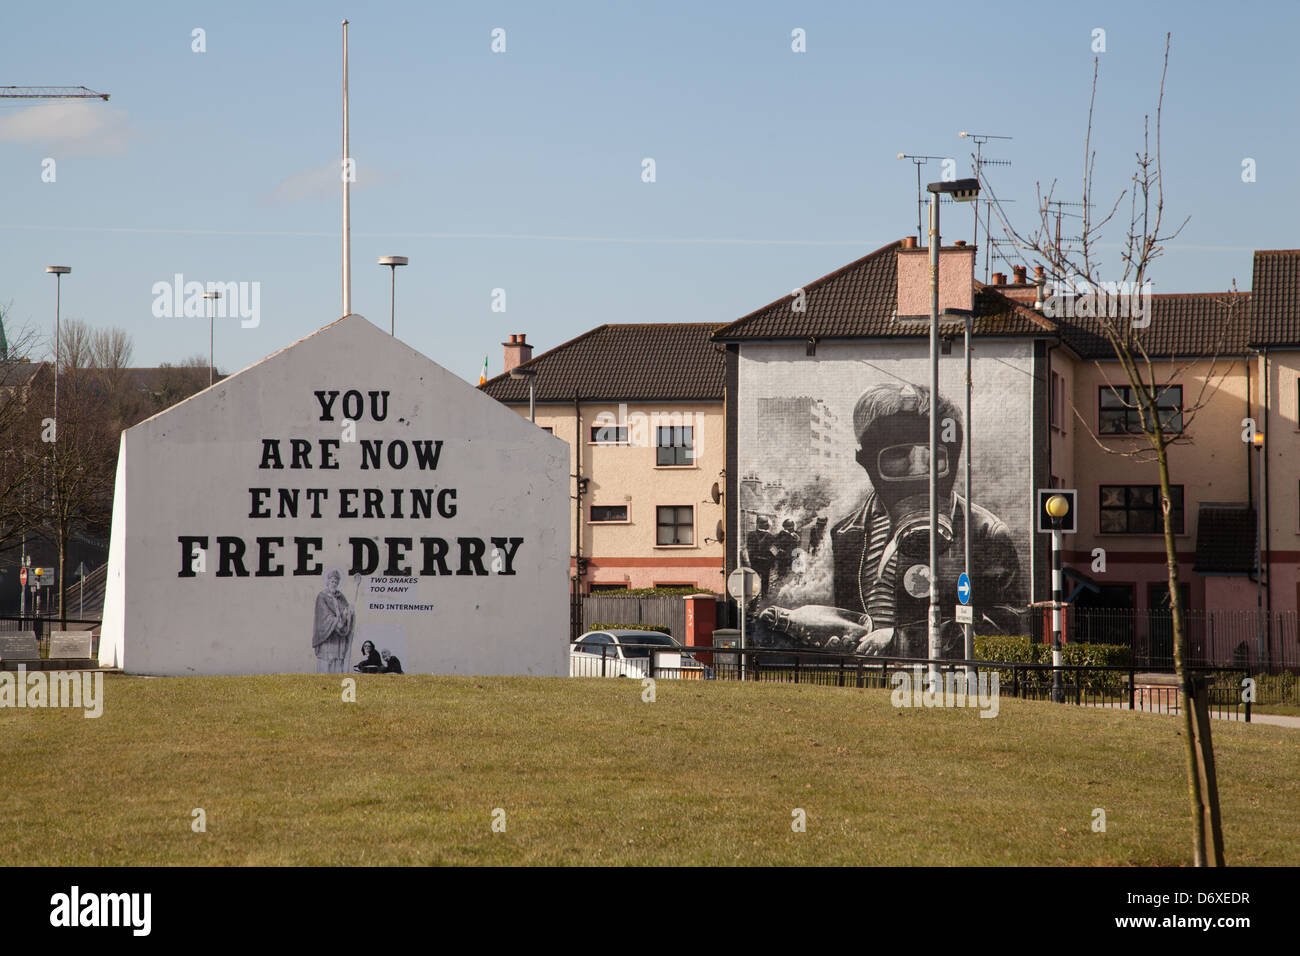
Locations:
column 961, row 190
column 392, row 262
column 1257, row 439
column 212, row 295
column 58, row 272
column 531, row 375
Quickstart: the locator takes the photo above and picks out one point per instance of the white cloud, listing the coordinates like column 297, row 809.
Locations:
column 79, row 127
column 324, row 182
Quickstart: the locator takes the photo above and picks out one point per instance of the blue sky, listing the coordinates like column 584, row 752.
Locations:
column 772, row 167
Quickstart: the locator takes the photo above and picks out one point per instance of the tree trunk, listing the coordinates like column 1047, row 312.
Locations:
column 1202, row 787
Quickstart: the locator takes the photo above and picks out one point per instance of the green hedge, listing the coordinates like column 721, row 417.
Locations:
column 1020, row 649
column 661, row 628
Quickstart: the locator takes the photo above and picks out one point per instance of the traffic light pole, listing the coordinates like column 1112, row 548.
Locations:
column 1058, row 691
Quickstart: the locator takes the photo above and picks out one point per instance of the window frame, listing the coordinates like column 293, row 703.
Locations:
column 1132, row 417
column 592, row 519
column 675, row 447
column 677, row 524
column 1180, row 509
column 619, row 430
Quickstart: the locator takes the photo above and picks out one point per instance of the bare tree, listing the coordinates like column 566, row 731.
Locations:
column 20, row 421
column 1145, row 390
column 75, row 344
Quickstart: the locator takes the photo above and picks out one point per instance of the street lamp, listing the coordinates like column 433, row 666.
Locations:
column 212, row 294
column 961, row 190
column 531, row 375
column 392, row 262
column 1257, row 439
column 58, row 272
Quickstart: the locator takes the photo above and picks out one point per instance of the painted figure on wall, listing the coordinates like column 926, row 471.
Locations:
column 875, row 558
column 331, row 636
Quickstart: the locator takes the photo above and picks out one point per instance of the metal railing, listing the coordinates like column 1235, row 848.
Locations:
column 1108, row 687
column 1258, row 640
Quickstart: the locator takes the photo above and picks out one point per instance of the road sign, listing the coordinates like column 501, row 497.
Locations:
column 734, row 583
column 965, row 614
column 963, row 588
column 22, row 575
column 1066, row 523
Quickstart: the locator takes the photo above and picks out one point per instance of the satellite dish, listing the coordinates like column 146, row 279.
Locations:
column 721, row 532
column 716, row 493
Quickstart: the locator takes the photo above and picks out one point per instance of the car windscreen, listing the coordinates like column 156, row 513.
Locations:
column 654, row 640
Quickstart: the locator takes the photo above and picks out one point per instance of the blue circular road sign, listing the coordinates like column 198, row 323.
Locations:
column 963, row 588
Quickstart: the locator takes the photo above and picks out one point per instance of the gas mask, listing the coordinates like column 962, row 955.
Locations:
column 895, row 453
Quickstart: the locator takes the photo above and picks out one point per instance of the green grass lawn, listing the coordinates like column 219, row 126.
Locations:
column 586, row 772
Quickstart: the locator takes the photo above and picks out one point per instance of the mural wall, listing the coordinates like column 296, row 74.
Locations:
column 833, row 494
column 344, row 506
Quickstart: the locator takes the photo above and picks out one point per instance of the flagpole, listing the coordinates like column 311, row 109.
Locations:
column 347, row 198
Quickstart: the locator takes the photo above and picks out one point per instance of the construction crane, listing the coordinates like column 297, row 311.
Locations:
column 50, row 93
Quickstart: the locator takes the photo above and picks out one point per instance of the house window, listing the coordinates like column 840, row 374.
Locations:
column 598, row 588
column 675, row 445
column 548, row 429
column 601, row 513
column 1135, row 509
column 676, row 524
column 1056, row 402
column 1118, row 412
column 609, row 434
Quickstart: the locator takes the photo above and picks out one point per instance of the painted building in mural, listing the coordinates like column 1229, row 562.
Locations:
column 345, row 505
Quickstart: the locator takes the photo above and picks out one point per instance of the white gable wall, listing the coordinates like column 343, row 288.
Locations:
column 188, row 472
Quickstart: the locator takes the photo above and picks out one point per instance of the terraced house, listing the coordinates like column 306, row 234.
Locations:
column 641, row 406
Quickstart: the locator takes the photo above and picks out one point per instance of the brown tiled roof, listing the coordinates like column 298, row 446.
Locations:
column 620, row 363
column 1275, row 289
column 1182, row 324
column 860, row 300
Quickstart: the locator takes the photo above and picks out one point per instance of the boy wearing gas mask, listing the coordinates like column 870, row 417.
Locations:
column 881, row 550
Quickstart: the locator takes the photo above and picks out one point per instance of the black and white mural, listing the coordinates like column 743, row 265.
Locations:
column 834, row 493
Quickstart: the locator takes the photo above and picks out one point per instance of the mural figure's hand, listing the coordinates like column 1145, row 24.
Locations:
column 819, row 624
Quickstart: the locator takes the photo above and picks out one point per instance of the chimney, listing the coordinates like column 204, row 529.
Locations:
column 956, row 278
column 517, row 351
column 909, row 242
column 1020, row 273
column 999, row 278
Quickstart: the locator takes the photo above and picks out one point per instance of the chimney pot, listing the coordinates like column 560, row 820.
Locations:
column 1019, row 273
column 517, row 351
column 960, row 243
column 1038, row 272
column 909, row 242
column 999, row 278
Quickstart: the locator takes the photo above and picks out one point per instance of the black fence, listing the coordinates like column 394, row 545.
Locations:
column 1232, row 692
column 1260, row 641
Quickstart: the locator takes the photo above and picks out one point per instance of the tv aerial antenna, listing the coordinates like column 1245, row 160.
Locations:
column 918, row 161
column 980, row 161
